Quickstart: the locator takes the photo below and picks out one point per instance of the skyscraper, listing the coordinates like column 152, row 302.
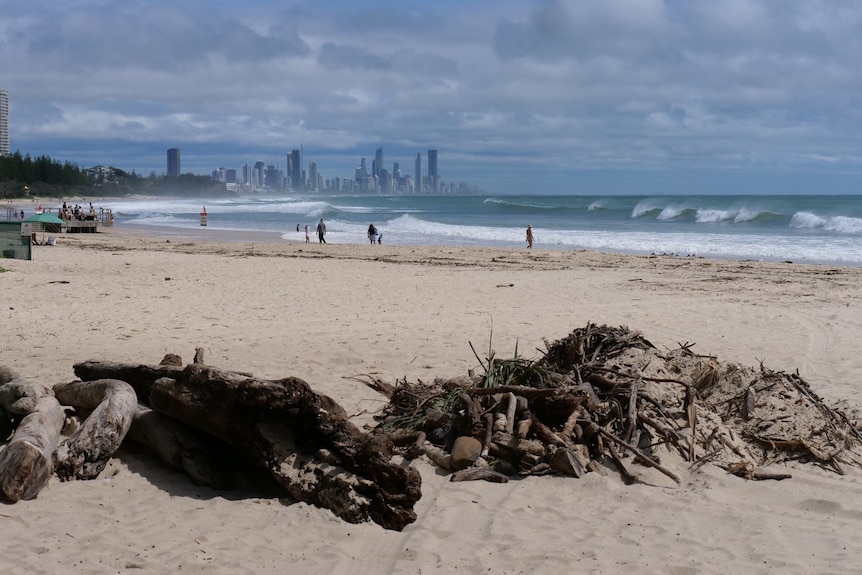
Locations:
column 377, row 165
column 312, row 176
column 173, row 162
column 294, row 162
column 417, row 169
column 432, row 170
column 4, row 123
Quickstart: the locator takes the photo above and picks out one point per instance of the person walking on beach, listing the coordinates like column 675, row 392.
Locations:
column 529, row 236
column 372, row 234
column 321, row 231
column 307, row 235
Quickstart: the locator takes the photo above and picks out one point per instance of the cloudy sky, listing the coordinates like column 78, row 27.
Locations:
column 540, row 96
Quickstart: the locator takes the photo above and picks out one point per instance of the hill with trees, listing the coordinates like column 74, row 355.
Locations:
column 22, row 176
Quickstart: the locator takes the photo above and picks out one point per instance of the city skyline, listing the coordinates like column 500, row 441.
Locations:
column 544, row 96
column 379, row 180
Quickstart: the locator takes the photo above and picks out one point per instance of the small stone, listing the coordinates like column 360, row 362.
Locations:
column 465, row 451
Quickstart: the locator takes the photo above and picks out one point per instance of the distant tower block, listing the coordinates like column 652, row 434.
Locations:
column 432, row 170
column 4, row 123
column 173, row 162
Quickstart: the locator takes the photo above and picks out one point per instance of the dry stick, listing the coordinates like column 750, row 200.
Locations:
column 510, row 414
column 489, row 432
column 803, row 388
column 691, row 410
column 568, row 434
column 474, row 410
column 524, row 427
column 375, row 383
column 479, row 474
column 668, row 433
column 660, row 409
column 749, row 404
column 631, row 415
column 522, row 390
column 640, row 455
column 653, row 379
column 479, row 359
column 763, row 475
column 628, row 477
column 545, row 433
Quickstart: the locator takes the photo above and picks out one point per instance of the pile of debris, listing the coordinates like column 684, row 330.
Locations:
column 605, row 394
column 208, row 422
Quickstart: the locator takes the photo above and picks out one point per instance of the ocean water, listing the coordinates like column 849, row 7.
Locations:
column 804, row 229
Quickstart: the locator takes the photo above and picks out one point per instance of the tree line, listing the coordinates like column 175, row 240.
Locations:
column 23, row 176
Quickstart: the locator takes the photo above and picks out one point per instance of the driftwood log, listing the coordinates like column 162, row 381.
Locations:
column 85, row 454
column 196, row 453
column 303, row 438
column 140, row 376
column 25, row 462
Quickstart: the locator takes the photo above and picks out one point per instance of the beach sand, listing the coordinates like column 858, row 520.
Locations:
column 329, row 313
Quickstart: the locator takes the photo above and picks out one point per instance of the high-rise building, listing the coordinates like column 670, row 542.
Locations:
column 4, row 123
column 173, row 162
column 259, row 175
column 432, row 170
column 377, row 165
column 417, row 169
column 294, row 163
column 312, row 176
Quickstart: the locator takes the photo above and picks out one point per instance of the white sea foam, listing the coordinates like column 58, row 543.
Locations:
column 844, row 225
column 711, row 216
column 746, row 215
column 671, row 212
column 644, row 207
column 807, row 220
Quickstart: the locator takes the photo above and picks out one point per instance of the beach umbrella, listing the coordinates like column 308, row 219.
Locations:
column 45, row 223
column 45, row 219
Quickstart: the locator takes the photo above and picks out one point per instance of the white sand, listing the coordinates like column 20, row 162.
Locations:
column 327, row 313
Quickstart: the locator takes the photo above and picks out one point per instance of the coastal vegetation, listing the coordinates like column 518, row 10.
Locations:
column 22, row 176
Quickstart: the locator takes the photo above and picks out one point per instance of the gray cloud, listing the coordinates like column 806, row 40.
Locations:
column 559, row 85
column 338, row 57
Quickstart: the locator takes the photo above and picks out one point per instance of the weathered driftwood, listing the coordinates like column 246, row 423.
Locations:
column 86, row 453
column 640, row 455
column 182, row 447
column 479, row 474
column 567, row 462
column 25, row 463
column 281, row 425
column 139, row 376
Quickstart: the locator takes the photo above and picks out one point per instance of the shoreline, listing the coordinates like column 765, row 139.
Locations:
column 537, row 257
column 814, row 253
column 206, row 234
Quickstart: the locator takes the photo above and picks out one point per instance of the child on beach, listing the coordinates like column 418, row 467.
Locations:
column 307, row 236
